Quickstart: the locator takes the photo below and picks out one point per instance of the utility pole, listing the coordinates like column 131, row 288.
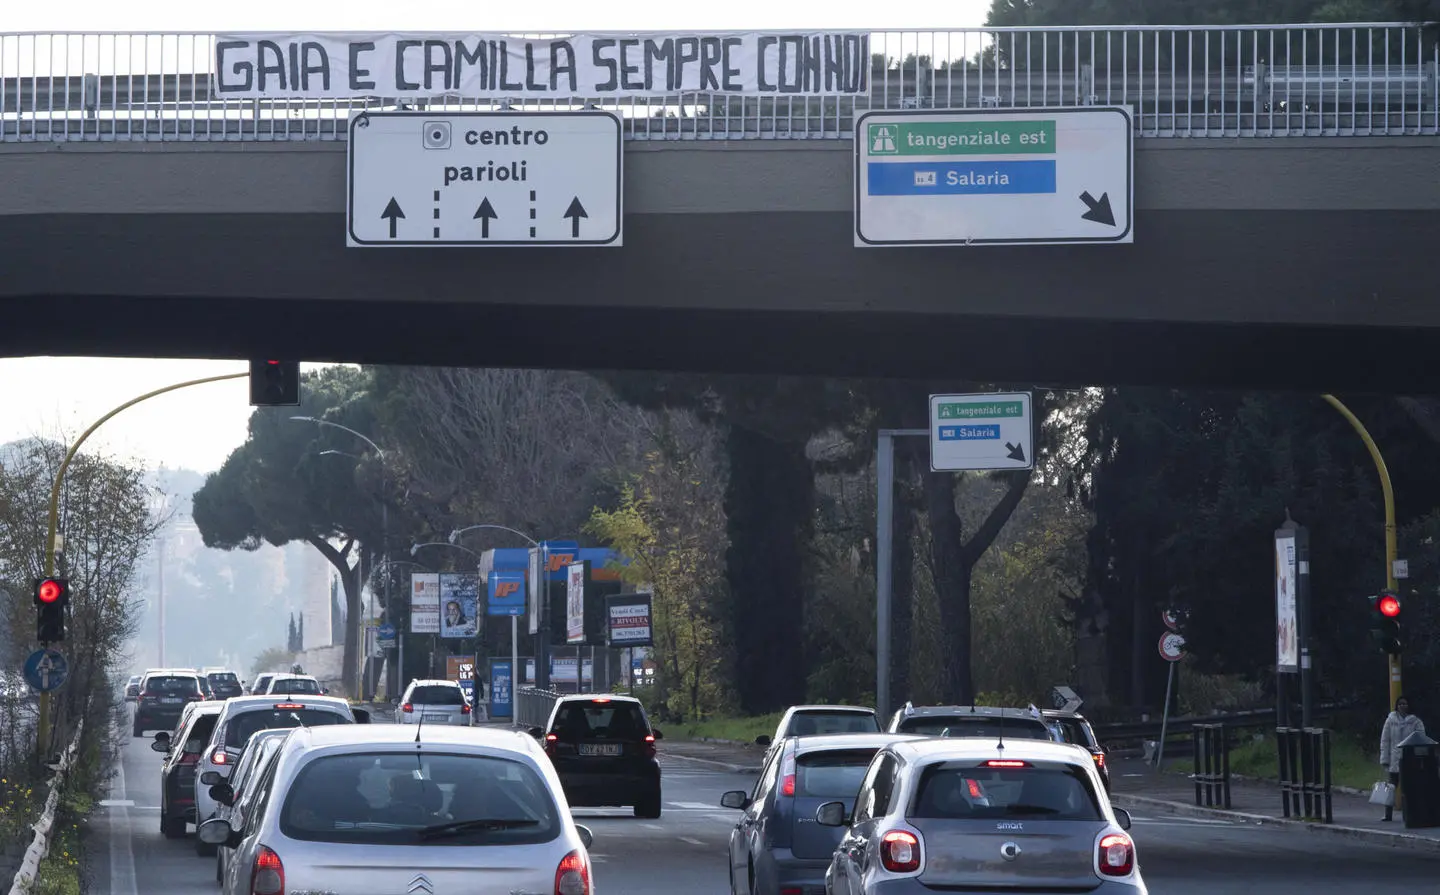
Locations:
column 160, row 594
column 884, row 560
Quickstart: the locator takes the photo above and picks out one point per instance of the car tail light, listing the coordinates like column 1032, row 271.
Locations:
column 1006, row 763
column 268, row 875
column 600, row 700
column 572, row 877
column 1100, row 759
column 465, row 709
column 649, row 745
column 900, row 851
column 218, row 756
column 1116, row 855
column 289, row 705
column 550, row 741
column 791, row 890
column 787, row 780
column 407, row 708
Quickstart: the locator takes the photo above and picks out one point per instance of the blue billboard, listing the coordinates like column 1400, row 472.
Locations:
column 506, row 593
column 501, row 689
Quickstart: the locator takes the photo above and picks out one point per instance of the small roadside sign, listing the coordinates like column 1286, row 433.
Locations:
column 1171, row 618
column 46, row 670
column 1172, row 646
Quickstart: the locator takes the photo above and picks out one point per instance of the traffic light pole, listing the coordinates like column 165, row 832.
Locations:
column 42, row 726
column 1391, row 550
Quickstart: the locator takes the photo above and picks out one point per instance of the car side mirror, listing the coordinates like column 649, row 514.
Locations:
column 362, row 716
column 657, row 733
column 735, row 798
column 223, row 793
column 160, row 745
column 587, row 838
column 1122, row 817
column 831, row 814
column 163, row 737
column 216, row 831
column 211, row 778
column 762, row 740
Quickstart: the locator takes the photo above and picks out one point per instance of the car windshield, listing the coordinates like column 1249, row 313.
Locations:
column 600, row 720
column 437, row 695
column 243, row 725
column 405, row 798
column 987, row 726
column 295, row 685
column 803, row 724
column 177, row 685
column 951, row 791
column 832, row 774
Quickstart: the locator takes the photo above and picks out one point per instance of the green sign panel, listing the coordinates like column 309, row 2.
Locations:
column 988, row 410
column 962, row 138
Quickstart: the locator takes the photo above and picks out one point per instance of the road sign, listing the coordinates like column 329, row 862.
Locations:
column 1401, row 568
column 984, row 431
column 1172, row 646
column 980, row 177
column 46, row 669
column 385, row 636
column 1171, row 618
column 484, row 179
column 1065, row 699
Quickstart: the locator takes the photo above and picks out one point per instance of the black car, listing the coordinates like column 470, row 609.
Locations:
column 177, row 773
column 603, row 749
column 162, row 698
column 224, row 685
column 1077, row 730
column 988, row 722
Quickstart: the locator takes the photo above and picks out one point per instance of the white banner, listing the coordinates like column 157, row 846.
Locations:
column 630, row 623
column 575, row 603
column 424, row 603
column 498, row 66
column 1287, row 638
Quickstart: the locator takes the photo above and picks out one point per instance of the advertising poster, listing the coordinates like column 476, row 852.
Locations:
column 1287, row 640
column 628, row 618
column 575, row 603
column 506, row 593
column 425, row 603
column 501, row 700
column 459, row 604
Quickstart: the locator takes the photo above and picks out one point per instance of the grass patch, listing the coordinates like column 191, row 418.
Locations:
column 1351, row 764
column 743, row 730
column 60, row 872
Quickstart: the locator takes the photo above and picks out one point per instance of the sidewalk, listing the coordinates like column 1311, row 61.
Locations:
column 737, row 758
column 1135, row 785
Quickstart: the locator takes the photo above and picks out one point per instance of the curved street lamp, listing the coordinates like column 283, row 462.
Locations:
column 455, row 535
column 542, row 649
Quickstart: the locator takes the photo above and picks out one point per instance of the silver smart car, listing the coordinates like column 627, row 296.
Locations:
column 966, row 815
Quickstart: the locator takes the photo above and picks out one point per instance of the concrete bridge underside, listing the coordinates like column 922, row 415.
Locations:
column 1305, row 263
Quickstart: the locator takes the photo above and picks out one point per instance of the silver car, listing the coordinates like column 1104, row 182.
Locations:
column 381, row 809
column 434, row 702
column 961, row 815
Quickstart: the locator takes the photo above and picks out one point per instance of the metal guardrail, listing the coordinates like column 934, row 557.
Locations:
column 1366, row 79
column 533, row 706
column 1256, row 719
column 1305, row 778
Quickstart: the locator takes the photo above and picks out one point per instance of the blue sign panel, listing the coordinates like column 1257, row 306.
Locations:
column 506, row 593
column 952, row 178
column 46, row 670
column 970, row 433
column 385, row 636
column 501, row 684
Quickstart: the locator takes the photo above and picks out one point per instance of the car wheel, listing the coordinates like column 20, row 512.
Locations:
column 138, row 730
column 649, row 807
column 172, row 827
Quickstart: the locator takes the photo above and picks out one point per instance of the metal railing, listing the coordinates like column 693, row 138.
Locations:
column 1305, row 778
column 1212, row 765
column 1366, row 79
column 533, row 706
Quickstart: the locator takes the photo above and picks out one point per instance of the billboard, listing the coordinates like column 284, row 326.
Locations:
column 501, row 700
column 1287, row 635
column 575, row 603
column 459, row 604
column 424, row 603
column 506, row 592
column 627, row 619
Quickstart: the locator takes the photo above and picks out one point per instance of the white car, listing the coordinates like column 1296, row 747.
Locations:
column 434, row 702
column 234, row 794
column 293, row 685
column 381, row 809
column 242, row 716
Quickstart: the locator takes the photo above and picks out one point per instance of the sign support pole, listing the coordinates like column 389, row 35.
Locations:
column 884, row 559
column 1165, row 718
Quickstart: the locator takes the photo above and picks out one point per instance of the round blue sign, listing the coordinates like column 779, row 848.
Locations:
column 387, row 632
column 46, row 670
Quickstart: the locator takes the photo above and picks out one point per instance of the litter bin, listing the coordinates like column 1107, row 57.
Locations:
column 1420, row 781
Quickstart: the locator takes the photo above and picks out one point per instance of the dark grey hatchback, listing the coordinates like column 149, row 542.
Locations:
column 777, row 847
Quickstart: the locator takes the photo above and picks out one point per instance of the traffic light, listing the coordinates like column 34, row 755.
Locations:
column 52, row 595
column 274, row 383
column 1385, row 622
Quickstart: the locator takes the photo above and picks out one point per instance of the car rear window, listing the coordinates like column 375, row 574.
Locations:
column 815, row 723
column 600, row 721
column 172, row 685
column 437, row 695
column 1077, row 732
column 224, row 678
column 953, row 791
column 833, row 773
column 393, row 797
column 241, row 726
column 199, row 732
column 987, row 726
column 295, row 685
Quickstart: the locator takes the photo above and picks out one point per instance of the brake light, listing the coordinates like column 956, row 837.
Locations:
column 600, row 700
column 649, row 745
column 268, row 874
column 1006, row 763
column 407, row 708
column 465, row 709
column 900, row 851
column 550, row 741
column 787, row 776
column 1116, row 855
column 572, row 877
column 289, row 705
column 791, row 890
column 218, row 756
column 1100, row 759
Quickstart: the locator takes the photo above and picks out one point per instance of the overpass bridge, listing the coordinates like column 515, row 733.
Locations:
column 1285, row 215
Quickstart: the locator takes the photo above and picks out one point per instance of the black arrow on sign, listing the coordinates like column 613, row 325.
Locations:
column 1017, row 451
column 1099, row 211
column 393, row 212
column 575, row 212
column 485, row 214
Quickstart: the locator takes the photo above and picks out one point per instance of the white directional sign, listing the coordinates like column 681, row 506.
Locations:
column 985, row 431
column 484, row 179
column 982, row 177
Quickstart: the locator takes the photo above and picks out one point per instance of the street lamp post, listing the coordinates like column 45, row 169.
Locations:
column 384, row 529
column 542, row 652
column 390, row 617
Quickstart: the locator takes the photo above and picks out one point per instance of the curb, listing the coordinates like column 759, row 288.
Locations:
column 1395, row 840
column 714, row 763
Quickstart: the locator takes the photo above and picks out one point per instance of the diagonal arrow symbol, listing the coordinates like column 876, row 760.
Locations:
column 1099, row 209
column 1017, row 451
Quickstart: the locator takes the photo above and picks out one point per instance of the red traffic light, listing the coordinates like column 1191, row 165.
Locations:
column 49, row 590
column 1389, row 606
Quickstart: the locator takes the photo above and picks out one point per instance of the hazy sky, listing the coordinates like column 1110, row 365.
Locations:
column 198, row 427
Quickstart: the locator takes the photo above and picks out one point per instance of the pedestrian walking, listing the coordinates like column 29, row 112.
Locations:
column 1399, row 725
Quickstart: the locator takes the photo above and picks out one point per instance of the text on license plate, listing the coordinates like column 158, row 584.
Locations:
column 599, row 748
column 170, row 699
column 436, row 716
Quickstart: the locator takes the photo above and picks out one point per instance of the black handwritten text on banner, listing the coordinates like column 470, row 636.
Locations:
column 334, row 66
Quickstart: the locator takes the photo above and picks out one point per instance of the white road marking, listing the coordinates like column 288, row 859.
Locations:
column 693, row 806
column 122, row 855
column 117, row 803
column 652, row 826
column 690, row 840
column 1184, row 821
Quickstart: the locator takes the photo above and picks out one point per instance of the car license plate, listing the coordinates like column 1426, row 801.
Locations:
column 600, row 749
column 436, row 716
column 170, row 699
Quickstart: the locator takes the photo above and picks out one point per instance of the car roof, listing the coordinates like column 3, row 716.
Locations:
column 591, row 697
column 433, row 682
column 833, row 741
column 440, row 735
column 267, row 700
column 980, row 711
column 853, row 709
column 1064, row 716
column 929, row 749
